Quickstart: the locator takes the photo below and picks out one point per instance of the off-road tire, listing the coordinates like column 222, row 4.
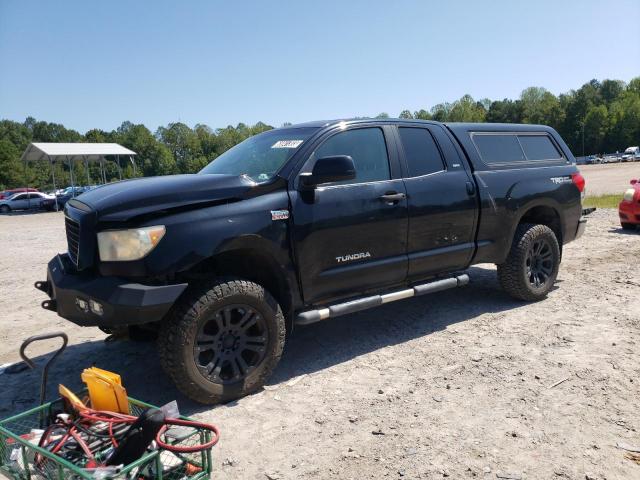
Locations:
column 5, row 208
column 628, row 226
column 513, row 275
column 178, row 332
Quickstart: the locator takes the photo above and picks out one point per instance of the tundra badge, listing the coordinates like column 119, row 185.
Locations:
column 353, row 256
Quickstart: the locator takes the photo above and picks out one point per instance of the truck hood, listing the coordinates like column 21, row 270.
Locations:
column 122, row 201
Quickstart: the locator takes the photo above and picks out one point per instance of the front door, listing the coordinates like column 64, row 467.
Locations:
column 20, row 202
column 352, row 236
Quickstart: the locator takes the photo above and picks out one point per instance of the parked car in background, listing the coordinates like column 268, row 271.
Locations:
column 629, row 208
column 611, row 159
column 631, row 154
column 70, row 192
column 27, row 201
column 11, row 192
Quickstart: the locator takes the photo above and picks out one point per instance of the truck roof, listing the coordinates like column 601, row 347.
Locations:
column 455, row 126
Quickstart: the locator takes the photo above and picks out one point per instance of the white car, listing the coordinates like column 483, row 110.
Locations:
column 27, row 201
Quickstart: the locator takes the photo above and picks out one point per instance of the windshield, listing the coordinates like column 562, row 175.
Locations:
column 260, row 156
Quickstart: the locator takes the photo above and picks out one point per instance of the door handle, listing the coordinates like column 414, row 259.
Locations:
column 471, row 189
column 392, row 197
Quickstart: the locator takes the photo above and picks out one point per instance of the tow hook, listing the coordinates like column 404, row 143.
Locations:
column 42, row 286
column 50, row 305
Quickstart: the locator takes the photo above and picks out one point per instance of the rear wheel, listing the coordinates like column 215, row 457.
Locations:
column 532, row 265
column 628, row 226
column 222, row 340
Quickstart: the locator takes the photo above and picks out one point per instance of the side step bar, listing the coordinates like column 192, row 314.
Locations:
column 312, row 316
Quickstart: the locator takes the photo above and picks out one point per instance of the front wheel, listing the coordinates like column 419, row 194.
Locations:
column 532, row 265
column 222, row 340
column 5, row 208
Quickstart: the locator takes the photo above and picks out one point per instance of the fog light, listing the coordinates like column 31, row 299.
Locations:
column 82, row 304
column 96, row 307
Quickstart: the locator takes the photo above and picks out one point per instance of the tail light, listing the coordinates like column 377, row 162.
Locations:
column 578, row 181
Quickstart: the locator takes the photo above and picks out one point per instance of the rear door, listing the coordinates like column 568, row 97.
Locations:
column 35, row 200
column 441, row 200
column 350, row 237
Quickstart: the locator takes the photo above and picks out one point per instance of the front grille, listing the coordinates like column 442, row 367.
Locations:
column 73, row 238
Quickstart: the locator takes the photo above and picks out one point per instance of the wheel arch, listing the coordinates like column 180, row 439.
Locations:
column 544, row 214
column 252, row 258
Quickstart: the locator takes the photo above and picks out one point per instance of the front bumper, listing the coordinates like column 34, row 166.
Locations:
column 123, row 302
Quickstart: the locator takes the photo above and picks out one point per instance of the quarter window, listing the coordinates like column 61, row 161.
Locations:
column 367, row 148
column 421, row 151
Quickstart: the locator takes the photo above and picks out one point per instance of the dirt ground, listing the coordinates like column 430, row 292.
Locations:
column 609, row 177
column 466, row 383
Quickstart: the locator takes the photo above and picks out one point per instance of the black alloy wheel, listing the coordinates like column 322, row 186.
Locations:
column 222, row 339
column 539, row 263
column 230, row 343
column 531, row 268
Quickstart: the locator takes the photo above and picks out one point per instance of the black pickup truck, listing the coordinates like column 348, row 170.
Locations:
column 309, row 222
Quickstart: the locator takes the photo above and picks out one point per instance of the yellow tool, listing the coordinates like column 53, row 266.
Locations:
column 105, row 390
column 74, row 401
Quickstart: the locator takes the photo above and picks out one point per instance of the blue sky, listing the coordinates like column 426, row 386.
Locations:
column 93, row 64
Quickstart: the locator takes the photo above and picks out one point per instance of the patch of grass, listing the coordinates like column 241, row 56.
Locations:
column 603, row 201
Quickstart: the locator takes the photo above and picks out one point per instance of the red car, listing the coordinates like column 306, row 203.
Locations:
column 13, row 191
column 629, row 208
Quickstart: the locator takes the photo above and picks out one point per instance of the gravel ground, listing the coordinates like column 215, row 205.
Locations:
column 609, row 177
column 465, row 383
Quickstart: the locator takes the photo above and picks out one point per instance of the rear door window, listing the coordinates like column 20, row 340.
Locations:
column 538, row 147
column 421, row 152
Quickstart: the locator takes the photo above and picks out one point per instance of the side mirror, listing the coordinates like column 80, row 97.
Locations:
column 330, row 169
column 633, row 181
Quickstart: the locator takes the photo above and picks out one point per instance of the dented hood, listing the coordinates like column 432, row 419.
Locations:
column 122, row 201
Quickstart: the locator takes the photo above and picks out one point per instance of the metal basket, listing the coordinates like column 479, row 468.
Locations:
column 17, row 453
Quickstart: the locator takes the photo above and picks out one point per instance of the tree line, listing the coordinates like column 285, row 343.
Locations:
column 598, row 117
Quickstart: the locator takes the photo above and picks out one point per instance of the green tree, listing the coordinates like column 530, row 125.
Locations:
column 539, row 106
column 422, row 114
column 505, row 111
column 595, row 129
column 11, row 171
column 184, row 145
column 466, row 110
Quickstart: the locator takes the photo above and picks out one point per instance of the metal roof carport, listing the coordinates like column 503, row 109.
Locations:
column 72, row 152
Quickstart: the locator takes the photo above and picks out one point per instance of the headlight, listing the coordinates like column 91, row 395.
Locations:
column 127, row 245
column 628, row 194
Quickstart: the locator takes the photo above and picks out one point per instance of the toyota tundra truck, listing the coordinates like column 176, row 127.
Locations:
column 310, row 222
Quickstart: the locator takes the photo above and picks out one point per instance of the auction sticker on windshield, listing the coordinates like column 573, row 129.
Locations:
column 287, row 144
